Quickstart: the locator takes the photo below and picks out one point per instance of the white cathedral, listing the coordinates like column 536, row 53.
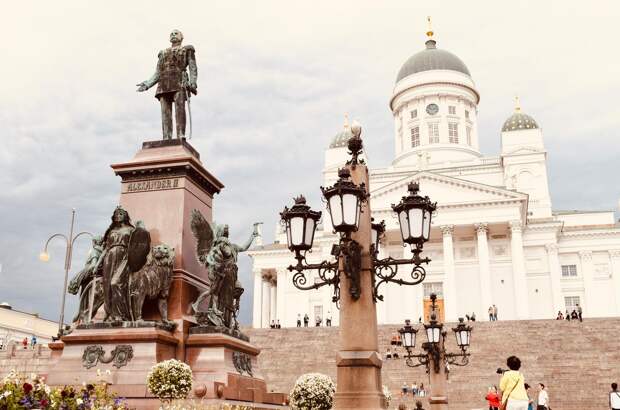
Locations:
column 495, row 239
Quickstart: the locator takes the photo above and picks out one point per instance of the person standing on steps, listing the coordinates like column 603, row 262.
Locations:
column 543, row 398
column 512, row 386
column 306, row 320
column 490, row 313
column 492, row 398
column 579, row 313
column 299, row 320
column 530, row 401
column 614, row 397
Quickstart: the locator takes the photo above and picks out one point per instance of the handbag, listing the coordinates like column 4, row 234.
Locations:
column 503, row 404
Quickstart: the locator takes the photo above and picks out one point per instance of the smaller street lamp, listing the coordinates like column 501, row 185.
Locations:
column 435, row 353
column 408, row 335
column 433, row 330
column 463, row 334
column 44, row 257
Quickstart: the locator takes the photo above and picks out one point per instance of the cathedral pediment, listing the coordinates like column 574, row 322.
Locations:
column 447, row 191
column 523, row 151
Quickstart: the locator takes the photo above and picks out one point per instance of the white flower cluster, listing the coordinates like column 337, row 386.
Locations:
column 388, row 395
column 170, row 379
column 313, row 391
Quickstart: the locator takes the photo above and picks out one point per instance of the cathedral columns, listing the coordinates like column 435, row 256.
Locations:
column 486, row 294
column 518, row 270
column 587, row 270
column 556, row 277
column 449, row 284
column 281, row 297
column 273, row 295
column 614, row 255
column 257, row 302
column 266, row 298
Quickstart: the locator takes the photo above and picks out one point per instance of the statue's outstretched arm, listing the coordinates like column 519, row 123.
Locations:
column 248, row 243
column 145, row 85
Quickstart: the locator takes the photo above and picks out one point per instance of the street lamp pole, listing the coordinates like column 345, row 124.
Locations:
column 356, row 274
column 44, row 256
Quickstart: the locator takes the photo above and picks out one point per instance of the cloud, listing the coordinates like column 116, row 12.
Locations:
column 275, row 79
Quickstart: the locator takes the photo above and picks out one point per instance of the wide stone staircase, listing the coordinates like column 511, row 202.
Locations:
column 577, row 361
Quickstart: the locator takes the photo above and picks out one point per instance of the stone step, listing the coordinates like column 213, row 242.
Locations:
column 578, row 361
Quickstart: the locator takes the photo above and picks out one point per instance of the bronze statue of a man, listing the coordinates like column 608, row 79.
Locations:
column 174, row 83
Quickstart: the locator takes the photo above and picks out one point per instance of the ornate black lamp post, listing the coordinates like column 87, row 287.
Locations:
column 435, row 356
column 355, row 254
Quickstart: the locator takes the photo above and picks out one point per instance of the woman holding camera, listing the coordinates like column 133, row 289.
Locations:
column 512, row 385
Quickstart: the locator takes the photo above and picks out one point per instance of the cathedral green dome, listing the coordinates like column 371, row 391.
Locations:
column 341, row 138
column 432, row 58
column 519, row 121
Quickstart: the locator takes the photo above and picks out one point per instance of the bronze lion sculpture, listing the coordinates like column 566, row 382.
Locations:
column 152, row 281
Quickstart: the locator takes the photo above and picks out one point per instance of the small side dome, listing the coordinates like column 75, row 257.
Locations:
column 519, row 120
column 5, row 305
column 342, row 138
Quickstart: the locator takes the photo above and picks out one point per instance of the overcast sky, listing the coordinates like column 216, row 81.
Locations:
column 274, row 78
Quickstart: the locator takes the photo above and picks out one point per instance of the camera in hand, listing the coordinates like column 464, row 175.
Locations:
column 500, row 370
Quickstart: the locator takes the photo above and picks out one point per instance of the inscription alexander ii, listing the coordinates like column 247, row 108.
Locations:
column 153, row 185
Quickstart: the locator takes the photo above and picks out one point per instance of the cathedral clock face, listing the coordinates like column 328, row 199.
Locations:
column 432, row 109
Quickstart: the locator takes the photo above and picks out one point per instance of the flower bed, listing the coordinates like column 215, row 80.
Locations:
column 21, row 392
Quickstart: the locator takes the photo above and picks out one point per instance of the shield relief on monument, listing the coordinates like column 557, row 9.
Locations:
column 138, row 248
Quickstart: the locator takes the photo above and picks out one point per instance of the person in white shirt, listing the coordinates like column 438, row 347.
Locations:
column 543, row 398
column 614, row 397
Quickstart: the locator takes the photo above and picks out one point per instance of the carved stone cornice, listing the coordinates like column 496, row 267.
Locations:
column 614, row 253
column 585, row 255
column 482, row 228
column 515, row 226
column 447, row 230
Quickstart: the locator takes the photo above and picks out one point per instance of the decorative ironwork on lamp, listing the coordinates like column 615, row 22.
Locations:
column 345, row 200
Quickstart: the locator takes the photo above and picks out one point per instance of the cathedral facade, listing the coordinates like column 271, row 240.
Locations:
column 495, row 238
